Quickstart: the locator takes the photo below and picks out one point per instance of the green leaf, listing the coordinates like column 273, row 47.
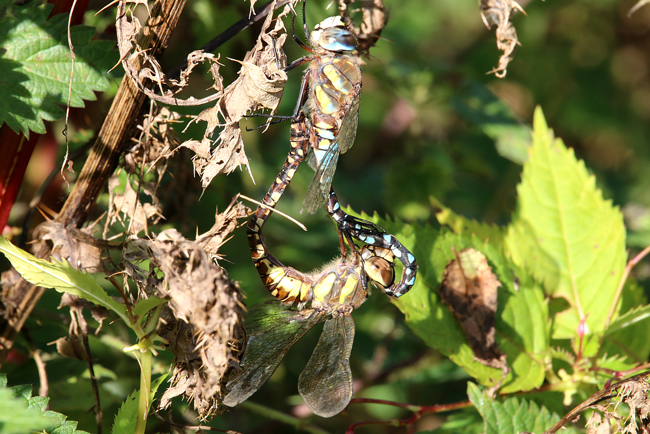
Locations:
column 460, row 224
column 126, row 416
column 156, row 384
column 522, row 315
column 36, row 65
column 22, row 413
column 633, row 316
column 17, row 417
column 510, row 416
column 626, row 337
column 566, row 234
column 144, row 305
column 60, row 276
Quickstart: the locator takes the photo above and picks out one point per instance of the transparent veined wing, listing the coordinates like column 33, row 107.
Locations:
column 319, row 189
column 326, row 382
column 348, row 131
column 272, row 329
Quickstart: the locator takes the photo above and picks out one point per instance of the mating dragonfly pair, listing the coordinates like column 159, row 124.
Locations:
column 325, row 121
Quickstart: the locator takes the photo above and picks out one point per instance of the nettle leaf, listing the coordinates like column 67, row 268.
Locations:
column 60, row 276
column 522, row 313
column 22, row 412
column 36, row 64
column 463, row 225
column 510, row 416
column 127, row 415
column 521, row 321
column 566, row 234
column 627, row 335
column 144, row 305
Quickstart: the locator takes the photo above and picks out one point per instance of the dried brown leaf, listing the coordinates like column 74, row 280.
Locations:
column 498, row 13
column 71, row 348
column 259, row 86
column 374, row 19
column 469, row 289
column 203, row 317
column 144, row 69
column 127, row 206
column 224, row 225
column 76, row 246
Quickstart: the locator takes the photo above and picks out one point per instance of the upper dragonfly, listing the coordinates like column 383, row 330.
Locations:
column 329, row 97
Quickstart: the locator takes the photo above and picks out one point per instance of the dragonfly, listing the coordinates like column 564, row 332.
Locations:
column 329, row 97
column 304, row 300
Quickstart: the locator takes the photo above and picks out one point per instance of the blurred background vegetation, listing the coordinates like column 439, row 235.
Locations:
column 432, row 124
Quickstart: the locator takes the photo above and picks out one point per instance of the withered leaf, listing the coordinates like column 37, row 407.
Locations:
column 469, row 289
column 72, row 348
column 129, row 204
column 224, row 225
column 374, row 19
column 497, row 13
column 72, row 245
column 202, row 319
column 259, row 86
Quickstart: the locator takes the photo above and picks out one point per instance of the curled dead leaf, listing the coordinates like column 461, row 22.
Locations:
column 469, row 289
column 374, row 19
column 498, row 13
column 203, row 317
column 259, row 86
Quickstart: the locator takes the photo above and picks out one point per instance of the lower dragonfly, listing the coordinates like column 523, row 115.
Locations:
column 305, row 300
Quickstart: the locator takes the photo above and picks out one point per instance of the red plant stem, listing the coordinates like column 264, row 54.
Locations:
column 418, row 412
column 16, row 152
column 631, row 264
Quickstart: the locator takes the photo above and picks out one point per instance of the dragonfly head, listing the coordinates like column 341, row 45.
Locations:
column 378, row 265
column 333, row 35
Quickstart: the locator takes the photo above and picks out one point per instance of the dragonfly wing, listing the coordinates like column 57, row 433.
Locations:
column 272, row 329
column 326, row 382
column 319, row 189
column 348, row 131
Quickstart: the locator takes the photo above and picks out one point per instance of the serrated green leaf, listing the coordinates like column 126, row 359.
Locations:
column 127, row 414
column 636, row 315
column 510, row 416
column 155, row 384
column 36, row 64
column 626, row 337
column 566, row 234
column 17, row 417
column 460, row 224
column 522, row 317
column 144, row 305
column 21, row 412
column 60, row 276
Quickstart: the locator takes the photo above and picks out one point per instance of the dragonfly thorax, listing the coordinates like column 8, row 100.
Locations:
column 331, row 34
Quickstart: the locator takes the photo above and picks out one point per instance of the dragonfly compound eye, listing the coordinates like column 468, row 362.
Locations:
column 332, row 35
column 380, row 271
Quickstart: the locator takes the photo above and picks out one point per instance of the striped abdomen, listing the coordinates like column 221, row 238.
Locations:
column 284, row 283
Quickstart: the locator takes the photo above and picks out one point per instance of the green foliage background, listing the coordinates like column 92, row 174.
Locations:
column 434, row 129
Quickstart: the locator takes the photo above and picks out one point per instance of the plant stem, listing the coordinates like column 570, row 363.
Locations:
column 144, row 358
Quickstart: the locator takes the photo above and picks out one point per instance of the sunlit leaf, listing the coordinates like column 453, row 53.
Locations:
column 36, row 65
column 510, row 416
column 566, row 234
column 60, row 276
